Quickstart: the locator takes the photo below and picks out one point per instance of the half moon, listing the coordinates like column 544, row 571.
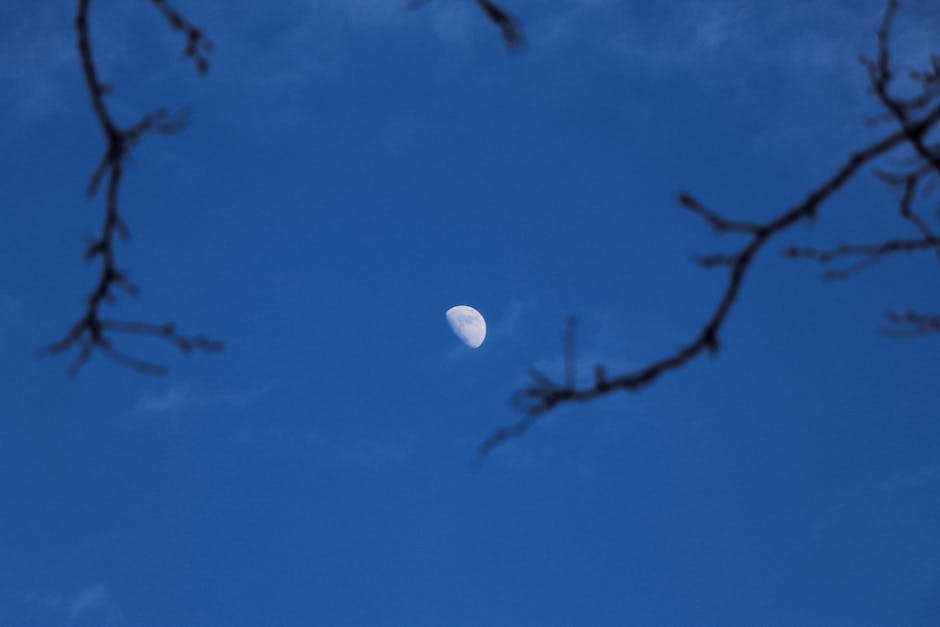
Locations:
column 468, row 324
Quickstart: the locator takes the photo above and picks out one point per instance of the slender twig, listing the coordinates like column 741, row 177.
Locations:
column 881, row 77
column 915, row 124
column 869, row 253
column 197, row 45
column 718, row 222
column 507, row 23
column 911, row 324
column 707, row 339
column 90, row 333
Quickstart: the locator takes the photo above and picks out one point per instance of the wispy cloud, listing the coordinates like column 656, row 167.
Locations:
column 91, row 599
column 690, row 34
column 513, row 315
column 93, row 603
column 185, row 396
column 37, row 57
column 328, row 449
column 359, row 452
column 798, row 37
column 881, row 504
column 314, row 39
column 909, row 479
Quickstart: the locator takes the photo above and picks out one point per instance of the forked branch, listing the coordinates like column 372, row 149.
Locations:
column 916, row 117
column 92, row 333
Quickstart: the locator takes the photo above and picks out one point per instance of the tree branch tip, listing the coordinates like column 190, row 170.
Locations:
column 712, row 345
column 687, row 200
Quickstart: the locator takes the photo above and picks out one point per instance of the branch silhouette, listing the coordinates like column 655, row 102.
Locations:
column 916, row 117
column 911, row 324
column 508, row 24
column 869, row 253
column 92, row 332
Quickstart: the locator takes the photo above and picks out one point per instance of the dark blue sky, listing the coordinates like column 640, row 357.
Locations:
column 352, row 170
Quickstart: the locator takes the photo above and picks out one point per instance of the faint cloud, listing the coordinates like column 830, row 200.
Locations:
column 314, row 39
column 330, row 450
column 311, row 42
column 512, row 315
column 695, row 33
column 511, row 319
column 179, row 398
column 37, row 59
column 359, row 453
column 170, row 401
column 703, row 28
column 886, row 505
column 88, row 600
column 92, row 604
column 911, row 478
column 799, row 37
column 308, row 47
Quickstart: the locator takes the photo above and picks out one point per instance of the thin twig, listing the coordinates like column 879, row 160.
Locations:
column 90, row 333
column 508, row 24
column 870, row 253
column 707, row 339
column 911, row 324
column 914, row 127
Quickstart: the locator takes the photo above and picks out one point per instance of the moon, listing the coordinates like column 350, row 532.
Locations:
column 468, row 324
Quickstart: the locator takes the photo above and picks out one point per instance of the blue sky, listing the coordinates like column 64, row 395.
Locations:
column 352, row 170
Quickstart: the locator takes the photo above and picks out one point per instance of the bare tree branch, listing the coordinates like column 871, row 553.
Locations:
column 911, row 324
column 870, row 253
column 90, row 333
column 719, row 223
column 915, row 121
column 507, row 23
column 197, row 45
column 882, row 76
